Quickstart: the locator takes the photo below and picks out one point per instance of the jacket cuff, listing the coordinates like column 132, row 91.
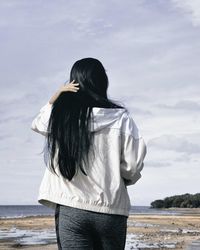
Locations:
column 46, row 107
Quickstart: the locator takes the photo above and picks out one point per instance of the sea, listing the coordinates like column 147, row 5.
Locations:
column 15, row 211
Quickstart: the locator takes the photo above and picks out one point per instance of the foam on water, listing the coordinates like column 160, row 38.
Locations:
column 184, row 231
column 29, row 237
column 44, row 237
column 140, row 224
column 134, row 241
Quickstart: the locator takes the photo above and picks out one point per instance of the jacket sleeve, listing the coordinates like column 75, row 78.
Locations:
column 40, row 122
column 133, row 153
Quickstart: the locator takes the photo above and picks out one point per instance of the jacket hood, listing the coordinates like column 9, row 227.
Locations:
column 100, row 118
column 105, row 117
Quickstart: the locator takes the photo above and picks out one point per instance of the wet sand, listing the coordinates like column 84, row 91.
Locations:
column 144, row 231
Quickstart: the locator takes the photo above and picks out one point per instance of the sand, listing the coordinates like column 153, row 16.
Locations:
column 163, row 231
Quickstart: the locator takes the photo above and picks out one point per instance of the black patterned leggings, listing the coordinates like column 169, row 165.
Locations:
column 87, row 230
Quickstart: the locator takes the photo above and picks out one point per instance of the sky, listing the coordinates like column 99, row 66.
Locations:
column 150, row 50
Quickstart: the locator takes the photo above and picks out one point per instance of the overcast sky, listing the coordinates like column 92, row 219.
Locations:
column 150, row 50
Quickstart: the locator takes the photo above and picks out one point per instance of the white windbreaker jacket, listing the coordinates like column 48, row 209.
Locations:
column 121, row 152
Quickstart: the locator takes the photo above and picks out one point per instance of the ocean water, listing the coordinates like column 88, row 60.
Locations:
column 14, row 211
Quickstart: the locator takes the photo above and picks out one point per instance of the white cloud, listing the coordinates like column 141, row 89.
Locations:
column 186, row 105
column 191, row 8
column 186, row 143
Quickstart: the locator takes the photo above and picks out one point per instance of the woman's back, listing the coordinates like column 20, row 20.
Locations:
column 118, row 160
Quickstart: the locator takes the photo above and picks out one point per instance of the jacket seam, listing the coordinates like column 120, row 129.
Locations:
column 121, row 132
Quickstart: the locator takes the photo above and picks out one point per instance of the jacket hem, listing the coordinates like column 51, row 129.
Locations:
column 52, row 202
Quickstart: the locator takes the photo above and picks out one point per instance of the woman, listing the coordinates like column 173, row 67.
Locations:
column 93, row 152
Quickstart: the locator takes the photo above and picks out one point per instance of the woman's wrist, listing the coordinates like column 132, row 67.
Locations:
column 54, row 97
column 72, row 86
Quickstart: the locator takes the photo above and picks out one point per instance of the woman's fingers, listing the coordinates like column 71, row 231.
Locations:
column 72, row 86
column 73, row 83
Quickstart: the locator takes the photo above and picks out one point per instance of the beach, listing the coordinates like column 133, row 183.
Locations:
column 145, row 231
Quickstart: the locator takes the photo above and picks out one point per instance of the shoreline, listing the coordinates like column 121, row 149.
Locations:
column 174, row 231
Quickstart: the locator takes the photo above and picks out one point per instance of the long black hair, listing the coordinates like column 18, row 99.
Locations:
column 69, row 138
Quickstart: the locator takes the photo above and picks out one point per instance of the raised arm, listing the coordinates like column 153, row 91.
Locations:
column 72, row 86
column 40, row 122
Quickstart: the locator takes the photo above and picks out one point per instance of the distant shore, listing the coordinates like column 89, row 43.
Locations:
column 166, row 231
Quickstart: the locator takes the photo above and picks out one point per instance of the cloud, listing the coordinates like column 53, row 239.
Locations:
column 191, row 8
column 139, row 111
column 11, row 119
column 158, row 164
column 181, row 144
column 186, row 105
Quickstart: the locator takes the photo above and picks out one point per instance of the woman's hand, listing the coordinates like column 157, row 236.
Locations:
column 69, row 87
column 72, row 87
